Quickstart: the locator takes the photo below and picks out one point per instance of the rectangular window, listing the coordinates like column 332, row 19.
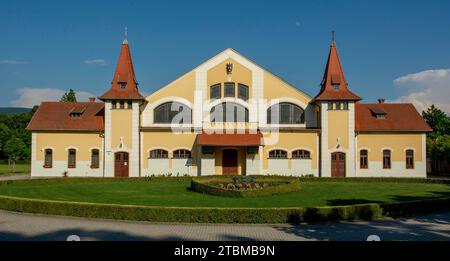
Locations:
column 330, row 106
column 48, row 159
column 122, row 105
column 409, row 159
column 114, row 104
column 243, row 92
column 386, row 159
column 338, row 105
column 129, row 105
column 215, row 92
column 72, row 159
column 346, row 105
column 229, row 89
column 95, row 159
column 363, row 161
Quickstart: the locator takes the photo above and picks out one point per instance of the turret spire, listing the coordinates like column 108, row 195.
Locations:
column 334, row 86
column 124, row 84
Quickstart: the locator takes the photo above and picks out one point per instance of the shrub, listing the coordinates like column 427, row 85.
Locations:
column 203, row 185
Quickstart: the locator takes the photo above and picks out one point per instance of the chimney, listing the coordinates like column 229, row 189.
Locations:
column 91, row 99
column 381, row 101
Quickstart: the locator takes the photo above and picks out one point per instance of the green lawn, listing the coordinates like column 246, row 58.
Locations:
column 175, row 193
column 22, row 168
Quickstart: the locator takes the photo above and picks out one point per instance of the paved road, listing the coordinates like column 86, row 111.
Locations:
column 20, row 226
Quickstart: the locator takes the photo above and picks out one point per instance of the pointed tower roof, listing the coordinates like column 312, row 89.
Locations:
column 334, row 76
column 124, row 84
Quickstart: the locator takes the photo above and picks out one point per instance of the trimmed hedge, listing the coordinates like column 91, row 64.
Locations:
column 190, row 215
column 202, row 185
column 224, row 215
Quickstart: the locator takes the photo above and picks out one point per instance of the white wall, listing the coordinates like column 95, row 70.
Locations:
column 83, row 169
column 398, row 170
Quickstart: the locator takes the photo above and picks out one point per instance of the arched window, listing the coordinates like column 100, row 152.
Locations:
column 215, row 91
column 229, row 112
column 172, row 112
column 159, row 154
column 386, row 159
column 181, row 154
column 301, row 154
column 243, row 91
column 363, row 159
column 48, row 158
column 95, row 158
column 285, row 113
column 72, row 159
column 277, row 154
column 409, row 159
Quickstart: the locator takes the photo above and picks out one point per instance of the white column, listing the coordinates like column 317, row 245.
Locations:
column 350, row 159
column 109, row 155
column 134, row 150
column 325, row 169
column 33, row 154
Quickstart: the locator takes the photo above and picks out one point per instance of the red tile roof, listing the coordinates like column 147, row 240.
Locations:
column 55, row 116
column 334, row 74
column 399, row 117
column 230, row 139
column 124, row 74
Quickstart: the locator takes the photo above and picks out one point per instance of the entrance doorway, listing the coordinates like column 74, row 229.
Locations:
column 229, row 161
column 338, row 164
column 121, row 165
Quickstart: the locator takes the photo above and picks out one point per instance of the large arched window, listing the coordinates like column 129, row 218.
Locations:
column 229, row 112
column 172, row 112
column 181, row 154
column 159, row 154
column 277, row 154
column 285, row 113
column 301, row 154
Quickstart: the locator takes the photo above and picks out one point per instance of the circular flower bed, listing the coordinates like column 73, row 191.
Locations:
column 243, row 187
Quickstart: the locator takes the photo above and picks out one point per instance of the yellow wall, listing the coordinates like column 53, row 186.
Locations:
column 218, row 74
column 275, row 88
column 397, row 142
column 337, row 129
column 294, row 140
column 183, row 87
column 167, row 140
column 121, row 127
column 60, row 141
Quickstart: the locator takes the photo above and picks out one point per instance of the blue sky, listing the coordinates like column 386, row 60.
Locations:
column 399, row 50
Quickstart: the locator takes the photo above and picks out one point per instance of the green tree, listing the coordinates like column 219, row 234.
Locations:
column 69, row 96
column 438, row 121
column 14, row 148
column 438, row 141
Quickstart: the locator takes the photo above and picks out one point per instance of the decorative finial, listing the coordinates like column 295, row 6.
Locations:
column 125, row 35
column 332, row 38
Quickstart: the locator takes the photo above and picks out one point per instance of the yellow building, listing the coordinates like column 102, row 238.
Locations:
column 228, row 116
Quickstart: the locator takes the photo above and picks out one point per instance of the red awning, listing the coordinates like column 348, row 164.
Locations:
column 230, row 139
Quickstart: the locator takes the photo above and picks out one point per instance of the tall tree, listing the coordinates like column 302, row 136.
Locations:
column 438, row 121
column 69, row 96
column 14, row 149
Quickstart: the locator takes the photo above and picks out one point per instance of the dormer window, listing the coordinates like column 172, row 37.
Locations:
column 77, row 112
column 378, row 113
column 336, row 81
column 122, row 85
